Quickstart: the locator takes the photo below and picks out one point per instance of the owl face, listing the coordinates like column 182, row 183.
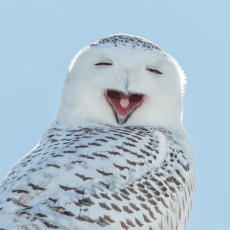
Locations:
column 123, row 86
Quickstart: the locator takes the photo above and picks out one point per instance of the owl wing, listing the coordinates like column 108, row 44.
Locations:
column 92, row 178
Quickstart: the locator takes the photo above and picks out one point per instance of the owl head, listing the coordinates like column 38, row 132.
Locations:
column 123, row 80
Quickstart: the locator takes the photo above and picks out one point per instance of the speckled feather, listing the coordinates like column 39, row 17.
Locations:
column 102, row 177
column 123, row 39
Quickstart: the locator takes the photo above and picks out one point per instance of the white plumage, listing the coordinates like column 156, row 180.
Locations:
column 116, row 155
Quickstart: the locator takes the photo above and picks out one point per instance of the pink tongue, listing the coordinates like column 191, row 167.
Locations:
column 124, row 102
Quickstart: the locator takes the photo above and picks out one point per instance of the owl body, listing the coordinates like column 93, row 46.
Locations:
column 92, row 172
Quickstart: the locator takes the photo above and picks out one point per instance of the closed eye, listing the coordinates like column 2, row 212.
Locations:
column 154, row 71
column 103, row 63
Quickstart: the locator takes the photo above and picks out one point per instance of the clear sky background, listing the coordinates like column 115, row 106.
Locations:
column 38, row 40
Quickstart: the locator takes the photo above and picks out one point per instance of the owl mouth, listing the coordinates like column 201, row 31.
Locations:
column 123, row 105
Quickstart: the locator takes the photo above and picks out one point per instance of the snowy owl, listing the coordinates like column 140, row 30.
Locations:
column 116, row 155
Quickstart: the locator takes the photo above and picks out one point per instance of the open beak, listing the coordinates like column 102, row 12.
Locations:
column 123, row 105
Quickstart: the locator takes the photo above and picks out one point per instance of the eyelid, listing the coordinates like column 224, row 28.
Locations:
column 154, row 71
column 103, row 63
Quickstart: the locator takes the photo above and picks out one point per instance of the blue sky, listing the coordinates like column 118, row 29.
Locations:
column 38, row 40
